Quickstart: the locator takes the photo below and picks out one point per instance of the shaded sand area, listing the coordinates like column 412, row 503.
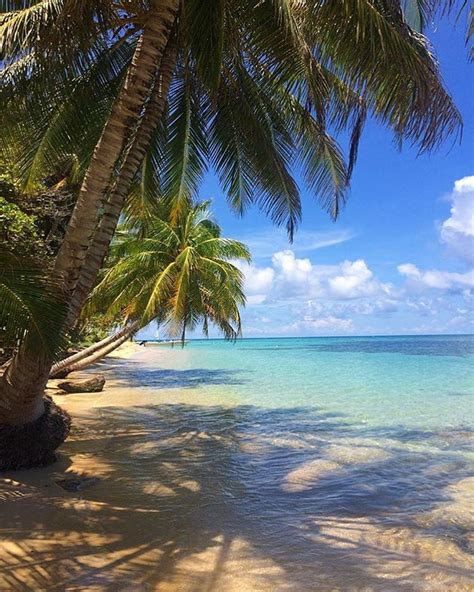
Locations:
column 196, row 494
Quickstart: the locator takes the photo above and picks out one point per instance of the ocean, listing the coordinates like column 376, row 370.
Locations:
column 318, row 464
column 424, row 382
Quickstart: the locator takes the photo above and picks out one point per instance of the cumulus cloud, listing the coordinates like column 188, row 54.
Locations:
column 355, row 280
column 458, row 230
column 300, row 297
column 303, row 298
column 293, row 276
column 291, row 268
column 436, row 279
column 258, row 281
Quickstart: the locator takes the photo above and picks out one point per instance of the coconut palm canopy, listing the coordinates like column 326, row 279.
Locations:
column 257, row 89
column 29, row 300
column 179, row 272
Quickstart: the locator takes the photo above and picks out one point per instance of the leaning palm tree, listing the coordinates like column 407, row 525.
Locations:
column 256, row 87
column 178, row 272
column 29, row 301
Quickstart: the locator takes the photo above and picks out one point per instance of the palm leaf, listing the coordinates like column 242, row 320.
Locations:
column 29, row 302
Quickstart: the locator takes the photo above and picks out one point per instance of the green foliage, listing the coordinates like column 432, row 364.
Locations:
column 260, row 89
column 179, row 272
column 29, row 301
column 18, row 231
column 94, row 328
column 33, row 224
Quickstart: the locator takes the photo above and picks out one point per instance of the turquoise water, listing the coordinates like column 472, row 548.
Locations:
column 325, row 464
column 425, row 381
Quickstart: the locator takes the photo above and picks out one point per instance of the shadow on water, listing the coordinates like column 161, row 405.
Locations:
column 213, row 499
column 166, row 378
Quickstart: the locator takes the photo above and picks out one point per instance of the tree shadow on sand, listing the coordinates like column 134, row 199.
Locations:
column 213, row 499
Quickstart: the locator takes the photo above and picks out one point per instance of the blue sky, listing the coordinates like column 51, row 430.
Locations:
column 400, row 258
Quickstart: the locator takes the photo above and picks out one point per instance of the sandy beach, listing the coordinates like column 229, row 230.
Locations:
column 144, row 514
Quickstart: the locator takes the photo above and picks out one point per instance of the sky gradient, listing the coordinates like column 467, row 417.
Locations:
column 399, row 260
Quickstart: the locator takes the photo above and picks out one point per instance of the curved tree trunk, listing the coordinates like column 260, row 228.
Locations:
column 118, row 338
column 126, row 112
column 103, row 236
column 63, row 366
column 23, row 383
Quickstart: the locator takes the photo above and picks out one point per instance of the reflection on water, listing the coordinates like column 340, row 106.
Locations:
column 213, row 499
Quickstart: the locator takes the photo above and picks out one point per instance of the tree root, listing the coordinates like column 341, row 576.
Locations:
column 34, row 444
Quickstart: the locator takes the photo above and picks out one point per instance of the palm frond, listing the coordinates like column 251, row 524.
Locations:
column 185, row 153
column 29, row 303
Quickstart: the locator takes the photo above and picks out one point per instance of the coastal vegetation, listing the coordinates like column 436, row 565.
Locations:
column 105, row 98
column 179, row 272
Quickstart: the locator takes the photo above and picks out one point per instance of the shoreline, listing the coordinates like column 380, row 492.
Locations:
column 160, row 496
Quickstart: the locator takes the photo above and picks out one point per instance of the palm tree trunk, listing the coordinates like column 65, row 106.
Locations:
column 64, row 365
column 22, row 385
column 126, row 113
column 31, row 426
column 103, row 236
column 117, row 339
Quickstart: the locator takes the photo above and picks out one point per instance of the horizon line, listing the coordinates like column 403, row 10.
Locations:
column 318, row 336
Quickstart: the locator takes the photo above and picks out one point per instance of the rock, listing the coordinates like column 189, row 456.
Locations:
column 77, row 483
column 87, row 385
column 61, row 374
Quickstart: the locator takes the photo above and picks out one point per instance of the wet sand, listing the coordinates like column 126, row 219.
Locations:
column 177, row 505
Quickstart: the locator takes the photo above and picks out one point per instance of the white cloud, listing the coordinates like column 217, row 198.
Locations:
column 464, row 185
column 258, row 281
column 255, row 299
column 458, row 230
column 301, row 297
column 291, row 269
column 266, row 242
column 326, row 325
column 409, row 270
column 355, row 281
column 346, row 280
column 438, row 280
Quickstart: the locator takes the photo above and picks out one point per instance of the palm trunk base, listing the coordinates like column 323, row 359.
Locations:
column 34, row 444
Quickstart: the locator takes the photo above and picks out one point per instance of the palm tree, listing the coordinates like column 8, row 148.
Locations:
column 30, row 301
column 47, row 22
column 179, row 272
column 158, row 89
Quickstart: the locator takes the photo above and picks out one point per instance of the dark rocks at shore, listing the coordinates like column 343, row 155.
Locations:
column 95, row 384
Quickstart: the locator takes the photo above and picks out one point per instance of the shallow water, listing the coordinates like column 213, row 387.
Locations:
column 294, row 464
